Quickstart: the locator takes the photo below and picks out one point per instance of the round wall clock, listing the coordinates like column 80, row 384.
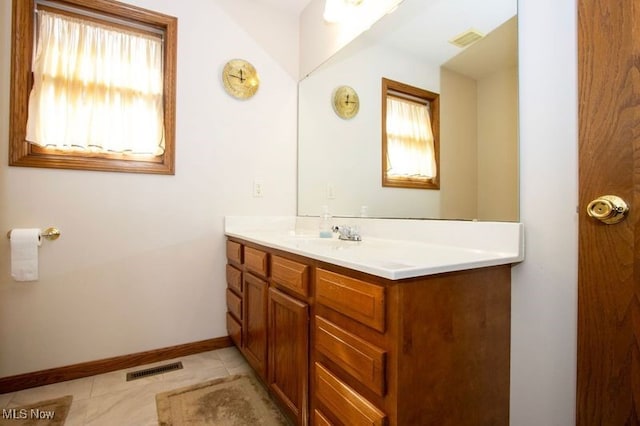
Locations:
column 345, row 102
column 240, row 79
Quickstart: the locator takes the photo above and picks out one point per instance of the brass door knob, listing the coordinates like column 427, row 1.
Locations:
column 609, row 209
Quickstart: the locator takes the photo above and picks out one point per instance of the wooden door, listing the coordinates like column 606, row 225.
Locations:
column 288, row 353
column 255, row 323
column 608, row 389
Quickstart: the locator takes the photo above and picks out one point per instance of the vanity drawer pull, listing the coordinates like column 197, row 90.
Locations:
column 234, row 329
column 234, row 304
column 343, row 402
column 360, row 300
column 291, row 275
column 234, row 251
column 255, row 260
column 234, row 279
column 356, row 356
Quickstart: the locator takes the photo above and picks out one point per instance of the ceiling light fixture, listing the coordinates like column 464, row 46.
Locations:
column 338, row 10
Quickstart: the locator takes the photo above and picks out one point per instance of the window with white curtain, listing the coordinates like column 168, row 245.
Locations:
column 101, row 87
column 95, row 88
column 410, row 142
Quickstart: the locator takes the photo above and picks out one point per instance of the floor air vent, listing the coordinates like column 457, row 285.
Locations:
column 140, row 374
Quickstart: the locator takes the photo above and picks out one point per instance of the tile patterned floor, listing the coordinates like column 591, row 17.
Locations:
column 108, row 399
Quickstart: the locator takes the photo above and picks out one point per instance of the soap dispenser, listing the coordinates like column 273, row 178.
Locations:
column 325, row 223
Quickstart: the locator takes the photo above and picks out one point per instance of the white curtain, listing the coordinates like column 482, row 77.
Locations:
column 96, row 88
column 410, row 145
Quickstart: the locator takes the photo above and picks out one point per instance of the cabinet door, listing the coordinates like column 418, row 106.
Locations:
column 288, row 353
column 235, row 330
column 255, row 322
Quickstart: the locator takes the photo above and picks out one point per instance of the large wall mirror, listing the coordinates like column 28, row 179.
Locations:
column 339, row 161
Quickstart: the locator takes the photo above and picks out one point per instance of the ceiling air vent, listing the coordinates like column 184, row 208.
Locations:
column 466, row 38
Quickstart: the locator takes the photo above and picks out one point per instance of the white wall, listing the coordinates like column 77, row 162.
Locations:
column 544, row 291
column 140, row 263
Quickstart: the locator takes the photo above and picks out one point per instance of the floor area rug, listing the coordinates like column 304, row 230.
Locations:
column 52, row 412
column 232, row 401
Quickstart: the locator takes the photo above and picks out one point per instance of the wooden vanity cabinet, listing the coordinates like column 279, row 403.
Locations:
column 343, row 347
column 254, row 344
column 247, row 298
column 275, row 323
column 234, row 292
column 288, row 375
column 437, row 354
column 350, row 350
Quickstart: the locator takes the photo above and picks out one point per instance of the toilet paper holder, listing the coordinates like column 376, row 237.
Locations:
column 50, row 233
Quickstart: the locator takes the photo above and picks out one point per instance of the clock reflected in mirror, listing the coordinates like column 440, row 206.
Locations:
column 345, row 102
column 240, row 79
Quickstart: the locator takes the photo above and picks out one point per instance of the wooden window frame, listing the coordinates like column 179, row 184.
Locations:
column 23, row 153
column 434, row 105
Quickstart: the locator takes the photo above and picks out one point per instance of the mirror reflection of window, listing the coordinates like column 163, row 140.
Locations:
column 410, row 151
column 409, row 136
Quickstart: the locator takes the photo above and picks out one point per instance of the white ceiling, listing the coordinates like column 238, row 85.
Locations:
column 291, row 6
column 423, row 27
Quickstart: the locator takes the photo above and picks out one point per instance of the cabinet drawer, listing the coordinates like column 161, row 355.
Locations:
column 234, row 251
column 234, row 329
column 234, row 304
column 234, row 279
column 360, row 300
column 255, row 260
column 289, row 274
column 356, row 356
column 343, row 402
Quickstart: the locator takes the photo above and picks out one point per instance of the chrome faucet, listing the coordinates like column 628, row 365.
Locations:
column 348, row 233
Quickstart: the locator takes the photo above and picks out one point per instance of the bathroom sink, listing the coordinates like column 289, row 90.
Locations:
column 394, row 258
column 441, row 251
column 317, row 243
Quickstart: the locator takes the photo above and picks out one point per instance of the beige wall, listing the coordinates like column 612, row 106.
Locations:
column 140, row 264
column 498, row 145
column 479, row 134
column 458, row 146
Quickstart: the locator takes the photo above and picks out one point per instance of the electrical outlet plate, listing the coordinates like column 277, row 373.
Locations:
column 331, row 192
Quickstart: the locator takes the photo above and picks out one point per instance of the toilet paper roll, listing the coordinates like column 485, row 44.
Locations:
column 24, row 254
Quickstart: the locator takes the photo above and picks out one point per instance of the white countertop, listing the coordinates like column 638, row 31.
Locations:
column 390, row 248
